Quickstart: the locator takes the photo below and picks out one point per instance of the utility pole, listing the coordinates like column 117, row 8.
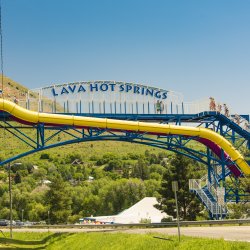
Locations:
column 175, row 189
column 22, row 215
column 48, row 220
column 48, row 217
column 10, row 193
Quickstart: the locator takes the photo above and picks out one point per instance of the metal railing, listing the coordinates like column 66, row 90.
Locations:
column 212, row 190
column 124, row 107
column 194, row 184
column 145, row 225
column 214, row 208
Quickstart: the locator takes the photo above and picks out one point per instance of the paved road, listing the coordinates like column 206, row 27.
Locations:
column 235, row 233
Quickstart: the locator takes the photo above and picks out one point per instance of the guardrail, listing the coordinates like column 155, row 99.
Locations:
column 146, row 225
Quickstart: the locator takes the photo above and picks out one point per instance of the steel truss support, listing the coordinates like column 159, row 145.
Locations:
column 48, row 137
column 217, row 173
column 45, row 139
column 228, row 129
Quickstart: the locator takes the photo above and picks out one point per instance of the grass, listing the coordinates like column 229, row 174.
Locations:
column 30, row 240
column 115, row 241
column 12, row 146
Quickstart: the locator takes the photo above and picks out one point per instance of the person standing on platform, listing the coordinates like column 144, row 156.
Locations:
column 246, row 125
column 161, row 107
column 237, row 119
column 219, row 108
column 212, row 105
column 158, row 107
column 226, row 110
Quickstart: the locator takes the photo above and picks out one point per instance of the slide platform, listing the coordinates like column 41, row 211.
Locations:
column 205, row 135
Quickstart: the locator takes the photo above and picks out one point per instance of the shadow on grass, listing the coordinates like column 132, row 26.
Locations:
column 161, row 238
column 53, row 237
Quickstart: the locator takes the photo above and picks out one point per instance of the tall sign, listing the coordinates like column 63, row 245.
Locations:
column 103, row 97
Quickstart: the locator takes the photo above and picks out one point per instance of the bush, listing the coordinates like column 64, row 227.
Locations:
column 45, row 156
column 3, row 176
column 72, row 157
column 133, row 156
column 145, row 221
column 93, row 158
column 113, row 165
column 167, row 219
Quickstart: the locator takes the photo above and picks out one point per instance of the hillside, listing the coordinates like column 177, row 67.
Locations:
column 12, row 89
column 91, row 178
column 13, row 146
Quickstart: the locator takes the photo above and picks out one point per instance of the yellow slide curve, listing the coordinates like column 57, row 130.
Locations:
column 142, row 127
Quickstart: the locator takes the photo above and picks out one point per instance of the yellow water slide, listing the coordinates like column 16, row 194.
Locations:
column 25, row 116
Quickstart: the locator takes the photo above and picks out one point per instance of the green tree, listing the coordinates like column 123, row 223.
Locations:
column 5, row 213
column 21, row 200
column 39, row 174
column 242, row 209
column 152, row 187
column 121, row 194
column 38, row 212
column 239, row 211
column 181, row 169
column 59, row 200
column 126, row 170
column 113, row 165
column 17, row 178
column 141, row 169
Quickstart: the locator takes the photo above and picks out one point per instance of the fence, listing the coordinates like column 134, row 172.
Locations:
column 148, row 225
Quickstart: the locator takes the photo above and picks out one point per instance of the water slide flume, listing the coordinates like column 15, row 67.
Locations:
column 32, row 117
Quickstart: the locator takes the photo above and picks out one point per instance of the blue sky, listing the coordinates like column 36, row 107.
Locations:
column 198, row 48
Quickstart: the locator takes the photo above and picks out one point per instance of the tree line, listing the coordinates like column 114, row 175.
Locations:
column 73, row 187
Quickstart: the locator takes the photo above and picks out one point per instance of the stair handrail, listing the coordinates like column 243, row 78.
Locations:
column 194, row 184
column 212, row 190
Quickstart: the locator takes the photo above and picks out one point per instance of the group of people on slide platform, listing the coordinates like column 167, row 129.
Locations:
column 237, row 118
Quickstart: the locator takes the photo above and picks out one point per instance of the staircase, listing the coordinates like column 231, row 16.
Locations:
column 209, row 197
column 208, row 194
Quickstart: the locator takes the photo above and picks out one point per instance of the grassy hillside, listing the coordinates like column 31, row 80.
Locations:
column 11, row 146
column 11, row 89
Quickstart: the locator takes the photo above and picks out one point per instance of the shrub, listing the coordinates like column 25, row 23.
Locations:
column 167, row 219
column 144, row 220
column 44, row 156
